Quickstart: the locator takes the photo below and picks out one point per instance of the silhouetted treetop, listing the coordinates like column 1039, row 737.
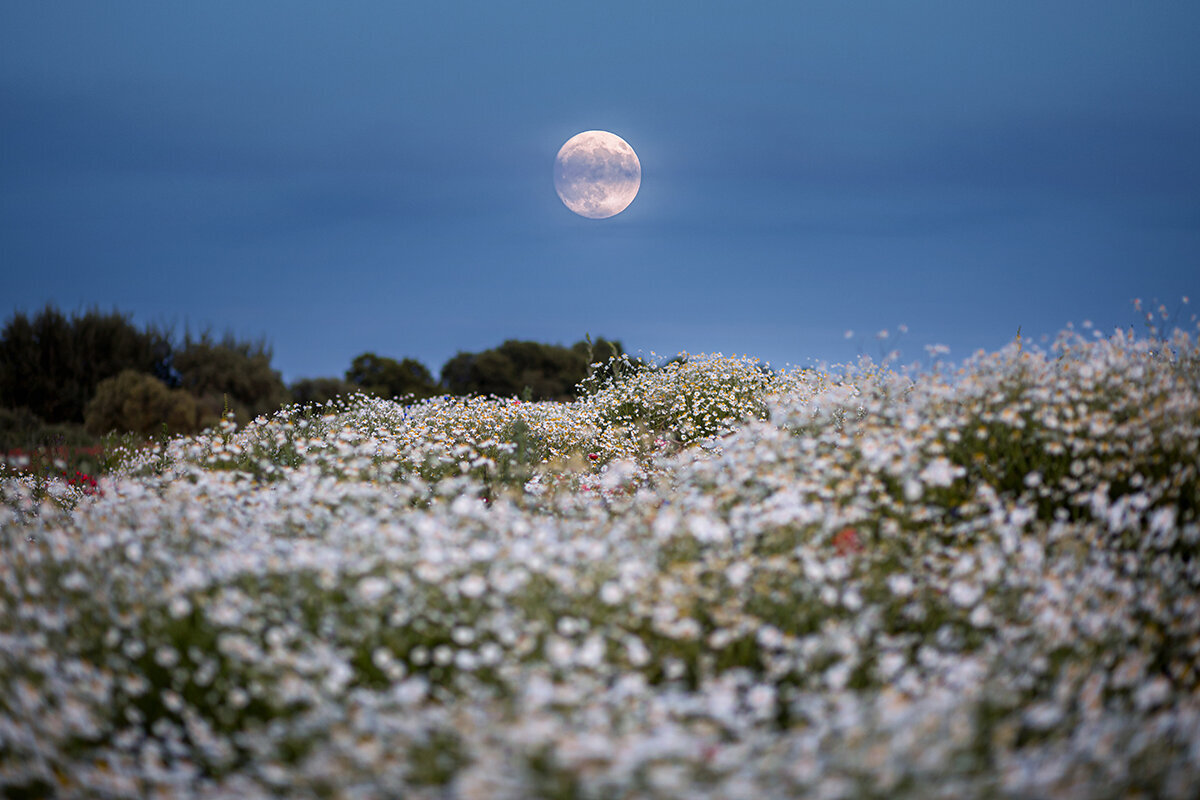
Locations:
column 239, row 371
column 388, row 378
column 546, row 371
column 51, row 363
column 310, row 391
column 52, row 367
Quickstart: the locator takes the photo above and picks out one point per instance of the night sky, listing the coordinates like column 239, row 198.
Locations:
column 378, row 176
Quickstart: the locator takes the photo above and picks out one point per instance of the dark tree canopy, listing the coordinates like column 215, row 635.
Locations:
column 310, row 391
column 229, row 370
column 96, row 368
column 544, row 371
column 52, row 364
column 389, row 378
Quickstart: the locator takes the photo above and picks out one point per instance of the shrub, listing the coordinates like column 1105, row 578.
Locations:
column 19, row 428
column 140, row 403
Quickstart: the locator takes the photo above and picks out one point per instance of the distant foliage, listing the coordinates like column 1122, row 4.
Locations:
column 140, row 403
column 388, row 378
column 318, row 391
column 51, row 364
column 17, row 425
column 22, row 431
column 524, row 369
column 229, row 371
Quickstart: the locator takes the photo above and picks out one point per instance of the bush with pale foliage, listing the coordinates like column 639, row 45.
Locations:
column 140, row 403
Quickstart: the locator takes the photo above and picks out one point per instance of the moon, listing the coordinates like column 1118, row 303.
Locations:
column 597, row 174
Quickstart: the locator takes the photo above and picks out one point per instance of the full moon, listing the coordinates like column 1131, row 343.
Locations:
column 597, row 174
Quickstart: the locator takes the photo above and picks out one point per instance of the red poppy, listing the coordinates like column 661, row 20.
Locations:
column 846, row 542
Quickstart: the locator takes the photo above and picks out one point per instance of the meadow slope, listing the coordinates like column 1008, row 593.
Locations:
column 701, row 580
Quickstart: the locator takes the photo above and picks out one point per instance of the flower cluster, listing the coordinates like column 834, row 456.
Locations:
column 700, row 580
column 86, row 484
column 690, row 397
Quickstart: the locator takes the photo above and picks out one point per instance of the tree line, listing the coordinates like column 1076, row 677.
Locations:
column 100, row 372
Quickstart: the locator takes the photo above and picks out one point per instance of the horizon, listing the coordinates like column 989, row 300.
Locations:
column 380, row 179
column 1153, row 321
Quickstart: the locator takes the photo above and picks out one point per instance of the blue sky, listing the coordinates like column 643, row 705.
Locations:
column 377, row 176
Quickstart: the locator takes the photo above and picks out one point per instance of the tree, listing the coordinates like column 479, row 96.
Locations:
column 107, row 344
column 389, row 378
column 310, row 391
column 37, row 366
column 458, row 372
column 547, row 371
column 52, row 364
column 229, row 370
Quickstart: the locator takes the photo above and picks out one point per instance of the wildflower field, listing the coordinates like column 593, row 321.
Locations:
column 700, row 580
